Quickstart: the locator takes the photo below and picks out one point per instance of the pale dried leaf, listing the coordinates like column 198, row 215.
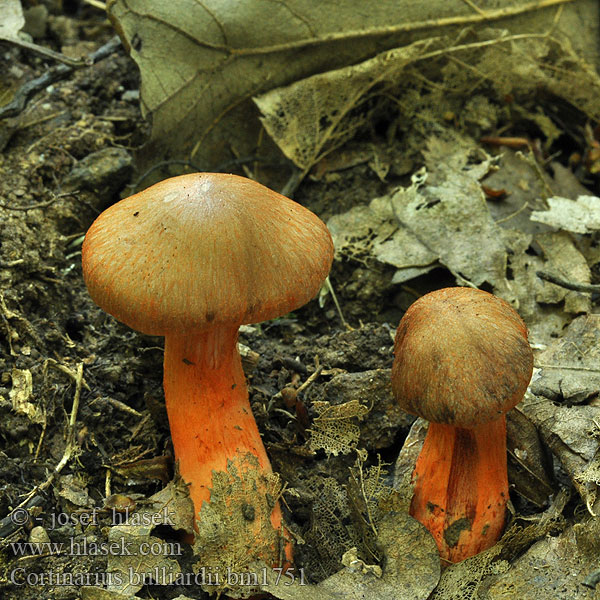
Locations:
column 570, row 367
column 451, row 219
column 334, row 429
column 311, row 117
column 142, row 557
column 21, row 395
column 12, row 19
column 571, row 433
column 97, row 593
column 421, row 224
column 202, row 62
column 579, row 216
column 462, row 581
column 218, row 58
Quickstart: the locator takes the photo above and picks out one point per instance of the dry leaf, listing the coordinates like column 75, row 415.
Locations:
column 449, row 222
column 97, row 593
column 311, row 117
column 235, row 526
column 554, row 567
column 530, row 469
column 579, row 216
column 21, row 394
column 572, row 434
column 12, row 19
column 569, row 368
column 564, row 259
column 411, row 569
column 334, row 429
column 202, row 62
column 143, row 558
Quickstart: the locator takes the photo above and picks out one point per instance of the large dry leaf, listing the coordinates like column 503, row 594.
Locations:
column 310, row 118
column 447, row 222
column 554, row 567
column 410, row 572
column 201, row 62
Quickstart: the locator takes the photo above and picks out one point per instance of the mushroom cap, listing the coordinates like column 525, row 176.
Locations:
column 203, row 250
column 461, row 358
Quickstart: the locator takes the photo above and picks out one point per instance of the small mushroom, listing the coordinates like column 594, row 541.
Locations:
column 462, row 360
column 191, row 259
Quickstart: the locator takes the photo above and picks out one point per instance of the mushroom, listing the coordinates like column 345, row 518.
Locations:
column 462, row 360
column 191, row 259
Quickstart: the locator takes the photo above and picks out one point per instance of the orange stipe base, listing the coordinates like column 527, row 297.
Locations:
column 210, row 416
column 461, row 487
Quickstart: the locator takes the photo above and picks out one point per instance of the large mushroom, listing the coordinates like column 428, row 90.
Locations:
column 191, row 259
column 462, row 360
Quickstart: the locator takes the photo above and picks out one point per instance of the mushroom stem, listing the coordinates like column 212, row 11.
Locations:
column 209, row 413
column 461, row 487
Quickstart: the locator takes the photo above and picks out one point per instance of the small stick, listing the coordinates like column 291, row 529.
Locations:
column 310, row 379
column 569, row 285
column 337, row 304
column 122, row 406
column 43, row 51
column 16, row 106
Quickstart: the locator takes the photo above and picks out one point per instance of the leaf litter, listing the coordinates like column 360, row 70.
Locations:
column 441, row 219
column 445, row 219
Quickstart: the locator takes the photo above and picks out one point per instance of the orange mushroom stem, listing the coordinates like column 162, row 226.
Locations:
column 209, row 412
column 461, row 487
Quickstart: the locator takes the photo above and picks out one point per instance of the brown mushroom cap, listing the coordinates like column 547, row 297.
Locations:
column 461, row 357
column 200, row 250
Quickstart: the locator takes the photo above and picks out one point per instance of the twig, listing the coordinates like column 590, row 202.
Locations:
column 6, row 314
column 107, row 480
column 47, row 52
column 337, row 304
column 514, row 214
column 569, row 285
column 16, row 106
column 310, row 379
column 9, row 264
column 592, row 580
column 159, row 165
column 123, row 407
column 293, row 183
column 70, row 447
column 10, row 524
column 96, row 4
column 39, row 204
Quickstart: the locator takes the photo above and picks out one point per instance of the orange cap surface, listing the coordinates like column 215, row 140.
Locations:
column 201, row 250
column 461, row 357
